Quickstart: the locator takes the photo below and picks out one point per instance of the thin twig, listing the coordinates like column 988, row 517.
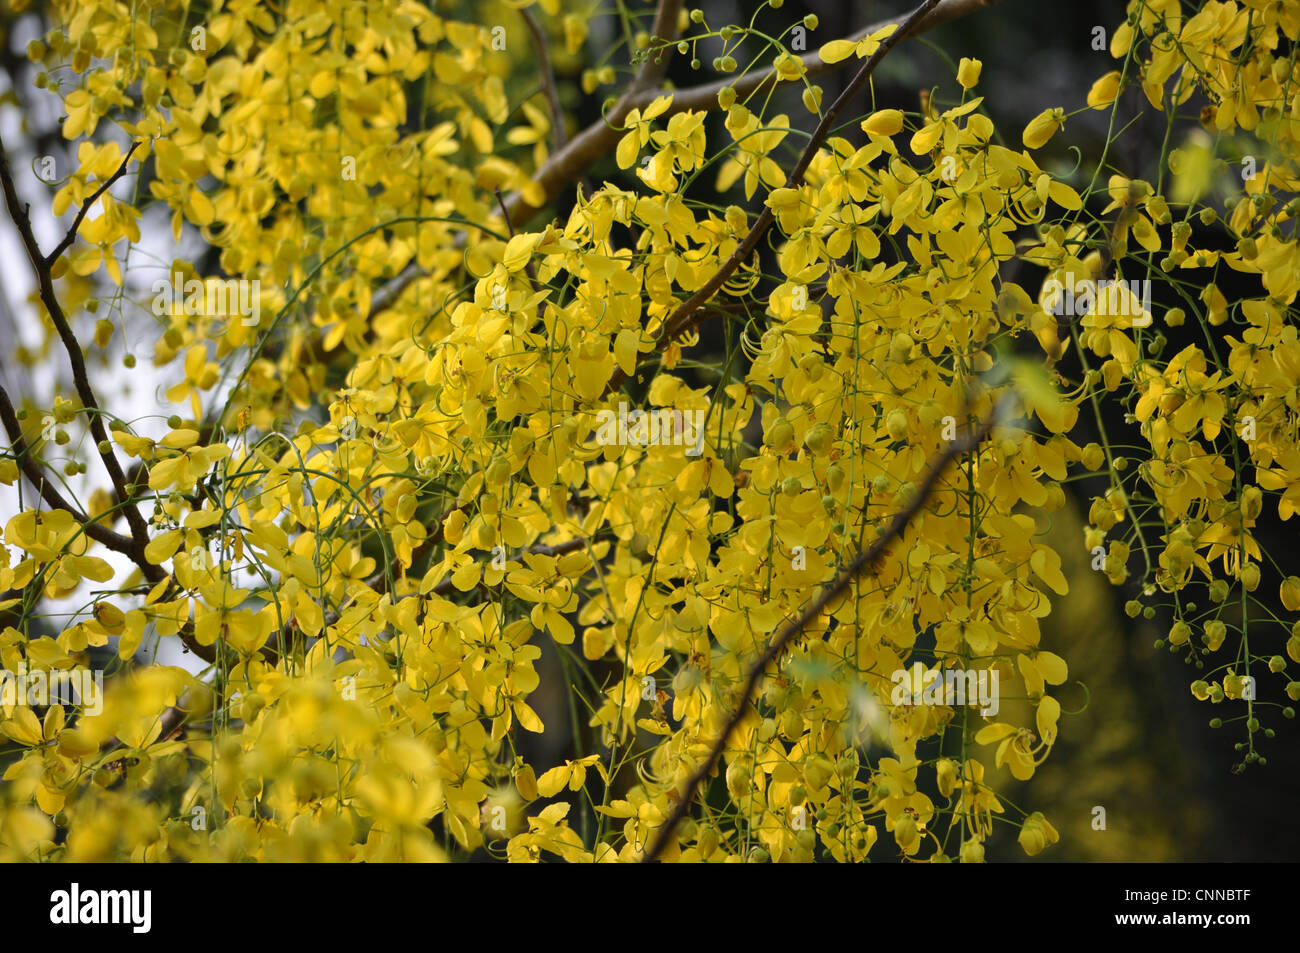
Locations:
column 505, row 213
column 547, row 77
column 71, row 235
column 705, row 96
column 863, row 561
column 530, row 268
column 31, row 468
column 567, row 164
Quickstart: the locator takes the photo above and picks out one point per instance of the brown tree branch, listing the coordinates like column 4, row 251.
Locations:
column 570, row 161
column 133, row 547
column 547, row 77
column 71, row 235
column 566, row 165
column 654, row 68
column 45, row 285
column 863, row 561
column 31, row 468
column 93, row 528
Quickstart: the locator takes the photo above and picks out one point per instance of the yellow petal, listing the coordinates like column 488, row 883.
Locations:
column 519, row 250
column 202, row 211
column 968, row 72
column 837, row 50
column 991, row 733
column 924, row 139
column 627, row 150
column 1052, row 667
column 553, row 781
column 1049, row 711
column 1103, row 91
column 1042, row 127
column 625, row 350
column 23, row 728
column 528, row 719
column 658, row 107
column 163, row 547
column 1065, row 196
column 886, row 122
column 1046, row 564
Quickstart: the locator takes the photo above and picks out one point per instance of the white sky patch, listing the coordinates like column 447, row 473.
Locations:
column 135, row 394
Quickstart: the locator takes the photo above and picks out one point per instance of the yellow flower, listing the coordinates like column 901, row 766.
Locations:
column 886, row 122
column 1037, row 833
column 968, row 72
column 1104, row 90
column 837, row 50
column 637, row 124
column 1042, row 127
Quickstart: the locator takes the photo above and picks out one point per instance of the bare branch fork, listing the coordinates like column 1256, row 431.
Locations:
column 31, row 468
column 134, row 545
column 862, row 562
column 86, row 206
column 41, row 265
column 547, row 77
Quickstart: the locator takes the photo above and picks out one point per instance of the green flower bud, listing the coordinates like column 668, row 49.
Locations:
column 252, row 705
column 819, row 438
column 780, row 435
